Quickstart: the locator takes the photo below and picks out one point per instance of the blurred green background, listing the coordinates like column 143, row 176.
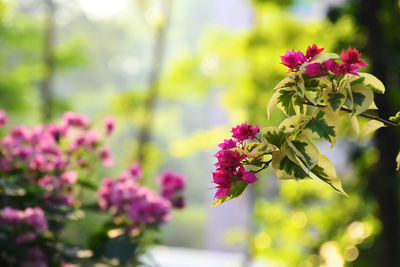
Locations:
column 177, row 75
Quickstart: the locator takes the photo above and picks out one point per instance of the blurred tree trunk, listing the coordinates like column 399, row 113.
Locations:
column 154, row 80
column 383, row 182
column 46, row 90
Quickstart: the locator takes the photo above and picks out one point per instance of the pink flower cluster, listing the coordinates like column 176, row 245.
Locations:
column 293, row 60
column 172, row 186
column 229, row 165
column 48, row 155
column 125, row 196
column 351, row 62
column 29, row 222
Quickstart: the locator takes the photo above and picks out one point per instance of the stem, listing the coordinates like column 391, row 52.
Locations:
column 372, row 117
column 266, row 165
column 46, row 90
column 158, row 57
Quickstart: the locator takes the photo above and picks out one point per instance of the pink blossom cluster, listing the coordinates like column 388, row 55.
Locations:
column 351, row 62
column 229, row 167
column 126, row 197
column 48, row 155
column 28, row 223
column 172, row 186
column 293, row 60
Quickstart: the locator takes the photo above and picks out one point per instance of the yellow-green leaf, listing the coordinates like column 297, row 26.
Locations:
column 272, row 103
column 285, row 168
column 371, row 127
column 334, row 99
column 292, row 123
column 354, row 123
column 285, row 83
column 325, row 171
column 323, row 125
column 273, row 135
column 285, row 100
column 254, row 150
column 398, row 162
column 237, row 190
column 305, row 150
column 370, row 81
column 362, row 98
column 320, row 58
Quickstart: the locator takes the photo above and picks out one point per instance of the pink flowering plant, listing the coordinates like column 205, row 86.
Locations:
column 137, row 211
column 44, row 172
column 320, row 90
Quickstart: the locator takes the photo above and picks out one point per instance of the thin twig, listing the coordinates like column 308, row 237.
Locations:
column 266, row 165
column 372, row 117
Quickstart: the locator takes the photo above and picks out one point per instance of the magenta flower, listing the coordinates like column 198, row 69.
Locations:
column 249, row 177
column 227, row 144
column 244, row 131
column 109, row 123
column 136, row 171
column 69, row 177
column 75, row 120
column 312, row 51
column 293, row 60
column 352, row 57
column 172, row 186
column 106, row 157
column 3, row 118
column 125, row 197
column 315, row 69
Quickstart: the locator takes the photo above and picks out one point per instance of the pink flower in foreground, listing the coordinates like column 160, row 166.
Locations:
column 106, row 157
column 312, row 51
column 3, row 118
column 244, row 131
column 76, row 120
column 109, row 123
column 293, row 60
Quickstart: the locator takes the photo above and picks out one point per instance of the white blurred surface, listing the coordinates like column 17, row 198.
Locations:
column 162, row 256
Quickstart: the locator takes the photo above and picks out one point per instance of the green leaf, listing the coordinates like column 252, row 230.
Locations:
column 395, row 118
column 349, row 99
column 372, row 82
column 237, row 190
column 316, row 84
column 293, row 123
column 285, row 168
column 323, row 125
column 322, row 57
column 299, row 107
column 285, row 83
column 272, row 103
column 285, row 102
column 273, row 135
column 325, row 171
column 362, row 98
column 305, row 150
column 255, row 150
column 398, row 162
column 371, row 127
column 354, row 123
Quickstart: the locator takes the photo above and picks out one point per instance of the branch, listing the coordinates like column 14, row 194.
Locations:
column 266, row 165
column 372, row 117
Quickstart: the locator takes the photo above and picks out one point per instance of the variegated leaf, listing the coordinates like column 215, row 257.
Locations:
column 285, row 168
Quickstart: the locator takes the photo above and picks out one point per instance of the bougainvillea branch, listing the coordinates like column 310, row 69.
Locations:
column 321, row 89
